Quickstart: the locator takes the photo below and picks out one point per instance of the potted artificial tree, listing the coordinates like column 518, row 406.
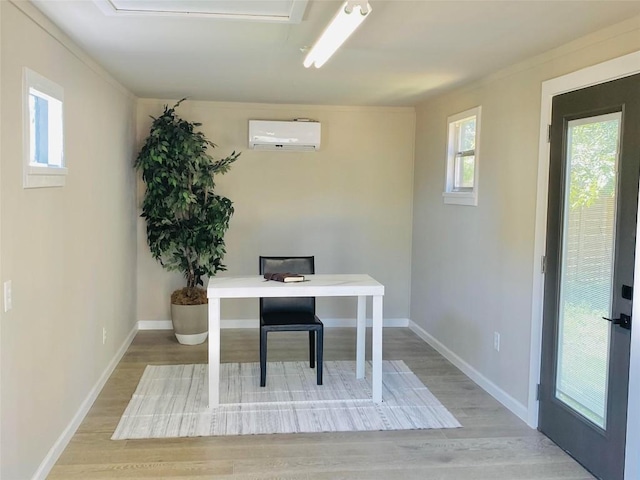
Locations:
column 186, row 220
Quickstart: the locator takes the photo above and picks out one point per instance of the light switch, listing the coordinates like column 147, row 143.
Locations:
column 7, row 296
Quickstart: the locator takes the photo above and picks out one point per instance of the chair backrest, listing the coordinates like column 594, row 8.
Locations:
column 302, row 265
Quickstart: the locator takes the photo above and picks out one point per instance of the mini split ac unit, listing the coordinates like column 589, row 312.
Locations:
column 296, row 135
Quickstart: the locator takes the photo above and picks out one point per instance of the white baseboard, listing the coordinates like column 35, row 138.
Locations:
column 66, row 436
column 253, row 323
column 491, row 388
column 155, row 325
column 351, row 322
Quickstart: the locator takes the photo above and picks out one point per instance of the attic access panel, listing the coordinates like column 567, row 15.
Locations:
column 280, row 11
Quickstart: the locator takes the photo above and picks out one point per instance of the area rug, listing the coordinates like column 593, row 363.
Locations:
column 171, row 401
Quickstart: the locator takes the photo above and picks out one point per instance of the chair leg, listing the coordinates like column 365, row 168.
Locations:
column 263, row 357
column 312, row 348
column 320, row 339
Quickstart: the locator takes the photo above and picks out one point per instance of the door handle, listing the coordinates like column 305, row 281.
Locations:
column 624, row 321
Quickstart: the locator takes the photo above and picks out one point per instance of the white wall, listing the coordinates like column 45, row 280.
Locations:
column 473, row 266
column 348, row 204
column 1, row 309
column 70, row 252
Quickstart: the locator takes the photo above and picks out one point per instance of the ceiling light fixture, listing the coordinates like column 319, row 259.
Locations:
column 351, row 14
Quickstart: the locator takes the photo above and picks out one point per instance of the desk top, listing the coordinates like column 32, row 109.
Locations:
column 338, row 285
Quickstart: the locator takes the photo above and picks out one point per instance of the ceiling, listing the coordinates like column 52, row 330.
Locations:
column 252, row 51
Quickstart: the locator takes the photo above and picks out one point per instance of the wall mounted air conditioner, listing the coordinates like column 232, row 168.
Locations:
column 295, row 135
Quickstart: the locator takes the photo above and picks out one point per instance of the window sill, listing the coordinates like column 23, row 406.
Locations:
column 43, row 177
column 460, row 198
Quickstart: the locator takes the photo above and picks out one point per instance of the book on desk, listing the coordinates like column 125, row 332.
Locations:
column 284, row 277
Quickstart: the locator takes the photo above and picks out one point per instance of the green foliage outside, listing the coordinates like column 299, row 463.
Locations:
column 593, row 150
column 467, row 143
column 186, row 219
column 468, row 171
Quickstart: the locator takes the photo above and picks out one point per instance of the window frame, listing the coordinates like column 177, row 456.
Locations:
column 39, row 175
column 463, row 196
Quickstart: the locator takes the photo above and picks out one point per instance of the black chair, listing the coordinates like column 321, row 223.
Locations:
column 290, row 313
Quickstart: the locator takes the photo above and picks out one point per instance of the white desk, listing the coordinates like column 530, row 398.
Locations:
column 361, row 286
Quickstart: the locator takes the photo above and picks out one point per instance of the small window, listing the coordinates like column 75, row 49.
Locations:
column 43, row 132
column 461, row 186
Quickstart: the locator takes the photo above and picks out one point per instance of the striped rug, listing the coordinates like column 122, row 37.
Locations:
column 171, row 401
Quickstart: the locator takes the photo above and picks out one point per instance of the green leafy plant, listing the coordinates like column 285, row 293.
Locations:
column 186, row 219
column 593, row 150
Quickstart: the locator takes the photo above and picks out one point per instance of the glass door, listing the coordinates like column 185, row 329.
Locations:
column 593, row 191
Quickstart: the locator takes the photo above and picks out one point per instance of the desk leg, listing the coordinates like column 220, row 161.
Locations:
column 376, row 349
column 361, row 331
column 214, row 352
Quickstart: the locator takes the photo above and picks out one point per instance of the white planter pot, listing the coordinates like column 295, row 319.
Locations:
column 190, row 323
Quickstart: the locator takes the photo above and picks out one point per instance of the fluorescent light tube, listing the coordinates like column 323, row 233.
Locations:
column 348, row 18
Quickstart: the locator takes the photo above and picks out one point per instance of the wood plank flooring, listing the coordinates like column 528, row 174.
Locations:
column 493, row 443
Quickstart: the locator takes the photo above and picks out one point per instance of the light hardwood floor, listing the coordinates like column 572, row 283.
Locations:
column 493, row 443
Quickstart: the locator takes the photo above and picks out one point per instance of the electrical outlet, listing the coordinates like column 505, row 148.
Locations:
column 104, row 335
column 496, row 341
column 8, row 301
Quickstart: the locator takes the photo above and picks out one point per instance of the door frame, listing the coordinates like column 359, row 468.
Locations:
column 610, row 70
